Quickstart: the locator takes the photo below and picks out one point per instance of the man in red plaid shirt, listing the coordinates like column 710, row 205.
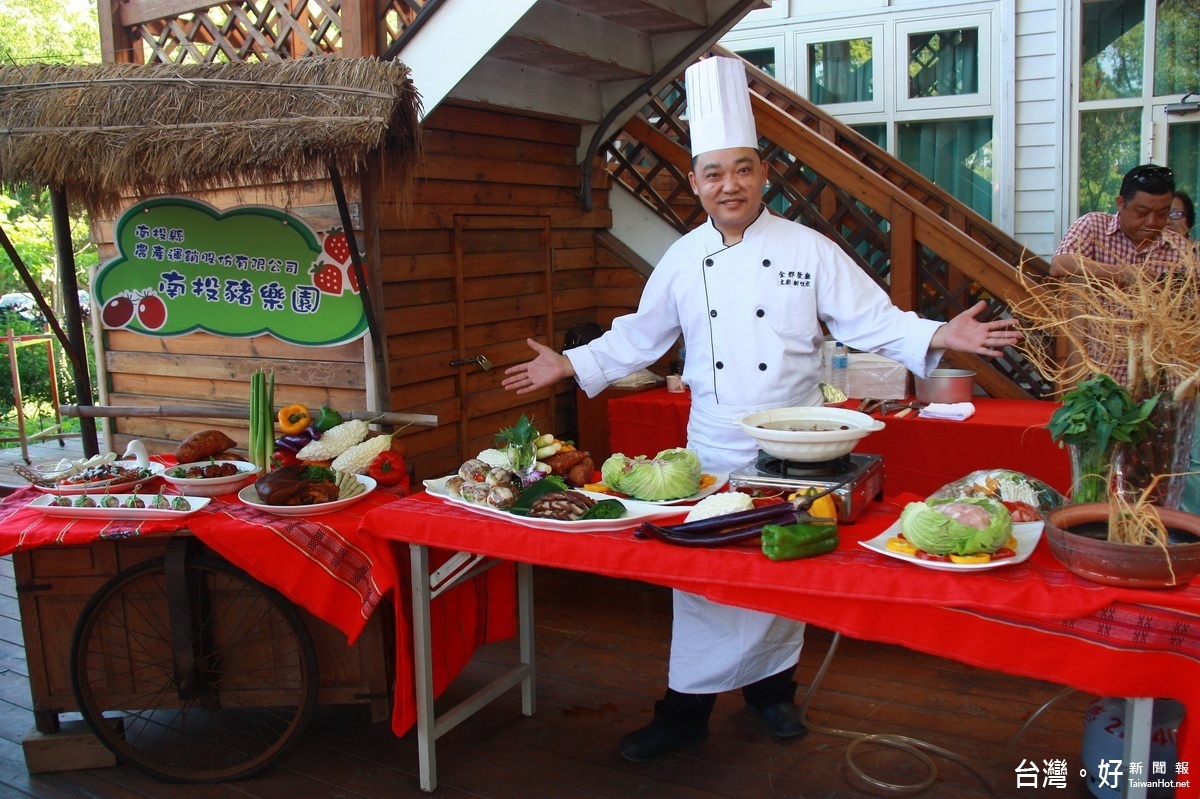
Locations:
column 1132, row 238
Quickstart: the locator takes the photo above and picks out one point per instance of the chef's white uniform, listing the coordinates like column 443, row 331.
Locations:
column 750, row 316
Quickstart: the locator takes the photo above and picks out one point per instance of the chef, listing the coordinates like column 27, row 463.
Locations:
column 748, row 291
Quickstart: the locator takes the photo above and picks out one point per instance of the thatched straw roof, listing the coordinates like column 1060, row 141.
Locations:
column 100, row 131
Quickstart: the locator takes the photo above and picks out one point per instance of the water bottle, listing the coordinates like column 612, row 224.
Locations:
column 839, row 368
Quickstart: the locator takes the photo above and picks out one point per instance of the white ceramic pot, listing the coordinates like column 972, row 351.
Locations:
column 808, row 435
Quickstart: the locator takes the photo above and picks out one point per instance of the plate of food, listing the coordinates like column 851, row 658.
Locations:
column 1017, row 549
column 210, row 478
column 710, row 483
column 306, row 491
column 105, row 476
column 119, row 506
column 635, row 511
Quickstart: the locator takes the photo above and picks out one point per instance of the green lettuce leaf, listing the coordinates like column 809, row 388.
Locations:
column 927, row 528
column 671, row 474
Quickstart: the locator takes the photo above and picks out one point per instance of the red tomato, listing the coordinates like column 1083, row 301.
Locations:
column 117, row 312
column 1003, row 552
column 923, row 555
column 1022, row 511
column 151, row 312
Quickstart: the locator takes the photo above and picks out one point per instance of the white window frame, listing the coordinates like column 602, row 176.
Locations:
column 880, row 48
column 777, row 42
column 1154, row 120
column 982, row 22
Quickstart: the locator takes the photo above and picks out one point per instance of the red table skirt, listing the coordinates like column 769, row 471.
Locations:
column 919, row 455
column 1033, row 619
column 324, row 563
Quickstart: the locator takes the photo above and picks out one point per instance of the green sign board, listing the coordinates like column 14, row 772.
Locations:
column 183, row 265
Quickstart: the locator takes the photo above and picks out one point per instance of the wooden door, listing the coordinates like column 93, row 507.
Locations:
column 503, row 295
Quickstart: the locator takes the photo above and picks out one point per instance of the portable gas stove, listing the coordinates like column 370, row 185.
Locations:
column 858, row 477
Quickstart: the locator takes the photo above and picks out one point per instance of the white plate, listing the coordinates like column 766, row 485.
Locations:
column 250, row 496
column 635, row 511
column 44, row 505
column 721, row 479
column 210, row 486
column 98, row 486
column 1026, row 533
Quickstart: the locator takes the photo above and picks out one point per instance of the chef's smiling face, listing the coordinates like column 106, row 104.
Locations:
column 730, row 184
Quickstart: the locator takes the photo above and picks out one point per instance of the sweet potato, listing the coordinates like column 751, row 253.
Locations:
column 203, row 445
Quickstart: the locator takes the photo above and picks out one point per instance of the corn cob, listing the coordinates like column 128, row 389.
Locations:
column 334, row 441
column 356, row 459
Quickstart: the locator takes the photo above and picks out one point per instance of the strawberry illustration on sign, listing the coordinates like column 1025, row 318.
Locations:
column 327, row 278
column 352, row 277
column 336, row 245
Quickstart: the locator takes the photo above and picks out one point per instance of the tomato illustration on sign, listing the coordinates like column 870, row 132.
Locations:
column 117, row 312
column 151, row 312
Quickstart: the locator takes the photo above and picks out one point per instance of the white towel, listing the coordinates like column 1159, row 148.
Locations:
column 956, row 411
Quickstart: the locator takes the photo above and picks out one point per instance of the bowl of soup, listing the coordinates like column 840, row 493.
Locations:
column 808, row 435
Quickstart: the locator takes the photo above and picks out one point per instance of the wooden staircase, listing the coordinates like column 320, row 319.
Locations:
column 929, row 251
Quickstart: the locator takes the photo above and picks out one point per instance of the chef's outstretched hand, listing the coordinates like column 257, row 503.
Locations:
column 546, row 369
column 966, row 333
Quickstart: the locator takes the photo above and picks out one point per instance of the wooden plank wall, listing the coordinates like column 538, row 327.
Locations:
column 485, row 163
column 203, row 369
column 479, row 165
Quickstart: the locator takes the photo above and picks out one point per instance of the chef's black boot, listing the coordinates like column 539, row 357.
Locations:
column 774, row 698
column 679, row 720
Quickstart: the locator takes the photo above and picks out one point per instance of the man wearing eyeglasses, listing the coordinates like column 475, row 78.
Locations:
column 1135, row 237
column 1111, row 243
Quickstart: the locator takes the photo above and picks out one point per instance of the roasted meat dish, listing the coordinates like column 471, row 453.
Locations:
column 288, row 486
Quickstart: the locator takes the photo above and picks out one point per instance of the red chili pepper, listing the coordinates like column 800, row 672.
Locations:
column 388, row 468
column 284, row 457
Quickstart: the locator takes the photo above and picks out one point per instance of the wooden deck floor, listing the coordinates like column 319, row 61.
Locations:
column 601, row 651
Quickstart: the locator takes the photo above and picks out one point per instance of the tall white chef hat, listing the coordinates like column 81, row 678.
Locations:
column 718, row 105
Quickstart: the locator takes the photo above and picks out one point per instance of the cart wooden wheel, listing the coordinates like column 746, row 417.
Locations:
column 191, row 670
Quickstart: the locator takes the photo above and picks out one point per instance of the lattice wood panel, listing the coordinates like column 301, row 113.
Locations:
column 246, row 30
column 394, row 17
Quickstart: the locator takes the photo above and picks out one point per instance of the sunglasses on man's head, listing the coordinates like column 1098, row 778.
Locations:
column 1153, row 173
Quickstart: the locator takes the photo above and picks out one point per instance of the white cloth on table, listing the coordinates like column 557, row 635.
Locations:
column 952, row 411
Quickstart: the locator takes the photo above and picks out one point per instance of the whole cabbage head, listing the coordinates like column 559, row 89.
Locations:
column 935, row 526
column 671, row 474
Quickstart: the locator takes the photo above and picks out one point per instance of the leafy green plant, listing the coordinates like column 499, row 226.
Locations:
column 1094, row 416
column 1100, row 412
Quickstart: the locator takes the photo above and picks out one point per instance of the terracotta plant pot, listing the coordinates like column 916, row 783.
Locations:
column 1077, row 535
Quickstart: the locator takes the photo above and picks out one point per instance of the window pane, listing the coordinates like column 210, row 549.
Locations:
column 876, row 133
column 1183, row 154
column 1109, row 146
column 763, row 59
column 1110, row 49
column 1177, row 47
column 840, row 72
column 955, row 154
column 943, row 63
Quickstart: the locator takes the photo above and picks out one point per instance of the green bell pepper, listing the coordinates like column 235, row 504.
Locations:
column 802, row 540
column 327, row 419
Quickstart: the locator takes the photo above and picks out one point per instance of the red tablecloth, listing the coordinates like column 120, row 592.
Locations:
column 323, row 563
column 1034, row 619
column 919, row 455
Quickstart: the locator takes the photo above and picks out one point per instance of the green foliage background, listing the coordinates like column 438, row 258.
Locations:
column 51, row 31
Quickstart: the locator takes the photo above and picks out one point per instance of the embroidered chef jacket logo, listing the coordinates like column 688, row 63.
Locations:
column 795, row 278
